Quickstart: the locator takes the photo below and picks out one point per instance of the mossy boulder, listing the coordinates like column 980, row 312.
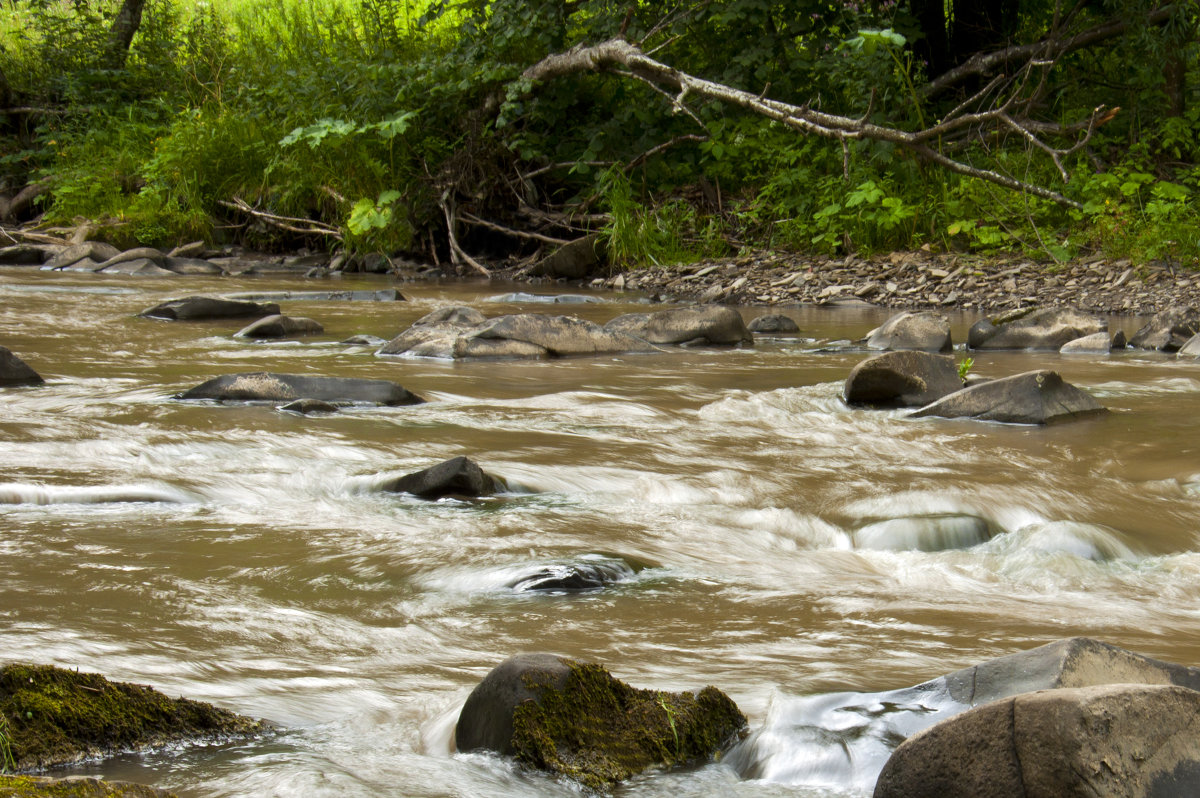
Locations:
column 37, row 787
column 56, row 717
column 577, row 720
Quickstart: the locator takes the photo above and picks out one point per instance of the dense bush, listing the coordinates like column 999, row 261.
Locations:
column 384, row 119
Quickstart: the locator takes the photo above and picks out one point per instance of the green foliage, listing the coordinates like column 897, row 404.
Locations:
column 7, row 763
column 964, row 368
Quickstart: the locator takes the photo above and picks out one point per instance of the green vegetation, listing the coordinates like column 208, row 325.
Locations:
column 56, row 717
column 31, row 787
column 404, row 126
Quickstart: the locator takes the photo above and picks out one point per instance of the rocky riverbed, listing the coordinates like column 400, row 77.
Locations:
column 920, row 280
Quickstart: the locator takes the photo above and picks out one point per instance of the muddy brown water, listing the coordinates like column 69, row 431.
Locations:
column 774, row 525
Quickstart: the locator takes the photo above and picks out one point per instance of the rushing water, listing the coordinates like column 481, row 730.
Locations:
column 771, row 541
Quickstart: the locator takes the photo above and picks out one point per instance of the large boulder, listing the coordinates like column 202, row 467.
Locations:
column 26, row 254
column 529, row 335
column 1048, row 329
column 1129, row 740
column 270, row 387
column 279, row 326
column 1169, row 330
column 846, row 739
column 714, row 325
column 924, row 330
column 14, row 371
column 907, row 378
column 201, row 308
column 57, row 717
column 1035, row 397
column 458, row 476
column 138, row 255
column 576, row 720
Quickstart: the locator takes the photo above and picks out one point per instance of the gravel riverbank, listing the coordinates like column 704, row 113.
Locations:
column 921, row 280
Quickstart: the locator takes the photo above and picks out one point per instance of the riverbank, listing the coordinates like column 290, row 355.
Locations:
column 920, row 280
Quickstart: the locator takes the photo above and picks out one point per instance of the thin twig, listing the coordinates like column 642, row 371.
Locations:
column 288, row 223
column 472, row 219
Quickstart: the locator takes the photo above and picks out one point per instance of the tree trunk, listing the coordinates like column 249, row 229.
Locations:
column 5, row 91
column 120, row 36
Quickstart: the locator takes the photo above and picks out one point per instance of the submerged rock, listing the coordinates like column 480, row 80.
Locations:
column 381, row 295
column 56, row 717
column 1191, row 347
column 527, row 335
column 76, row 787
column 922, row 330
column 1095, row 344
column 96, row 251
column 266, row 386
column 279, row 326
column 1129, row 740
column 200, row 308
column 14, row 371
column 1169, row 330
column 587, row 574
column 906, row 378
column 1049, row 328
column 712, row 325
column 925, row 533
column 773, row 323
column 458, row 476
column 1035, row 397
column 576, row 720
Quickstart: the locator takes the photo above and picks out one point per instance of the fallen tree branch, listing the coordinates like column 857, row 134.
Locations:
column 458, row 255
column 288, row 223
column 623, row 58
column 477, row 222
column 9, row 208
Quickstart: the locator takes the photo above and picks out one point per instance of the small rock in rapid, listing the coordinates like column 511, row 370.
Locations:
column 279, row 326
column 922, row 330
column 458, row 476
column 201, row 308
column 265, row 386
column 14, row 371
column 773, row 323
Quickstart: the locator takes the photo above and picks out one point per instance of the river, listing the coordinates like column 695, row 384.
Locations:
column 768, row 530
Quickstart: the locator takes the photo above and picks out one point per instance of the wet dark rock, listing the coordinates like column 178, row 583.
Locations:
column 1169, row 330
column 576, row 720
column 278, row 326
column 1129, row 740
column 924, row 331
column 306, row 406
column 269, row 387
column 1048, row 328
column 56, row 717
column 713, row 325
column 202, row 308
column 1035, row 397
column 773, row 323
column 925, row 533
column 96, row 251
column 26, row 254
column 591, row 574
column 574, row 260
column 14, row 371
column 142, row 267
column 528, row 335
column 907, row 378
column 76, row 787
column 458, row 476
column 381, row 295
column 1095, row 344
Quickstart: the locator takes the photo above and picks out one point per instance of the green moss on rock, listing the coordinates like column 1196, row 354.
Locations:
column 32, row 787
column 598, row 730
column 55, row 716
